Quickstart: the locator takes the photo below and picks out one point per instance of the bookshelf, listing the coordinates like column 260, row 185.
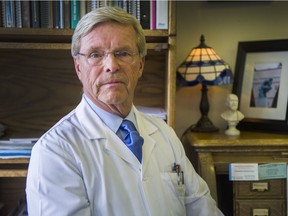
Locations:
column 38, row 85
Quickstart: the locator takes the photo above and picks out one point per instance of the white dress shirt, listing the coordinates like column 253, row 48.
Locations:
column 81, row 167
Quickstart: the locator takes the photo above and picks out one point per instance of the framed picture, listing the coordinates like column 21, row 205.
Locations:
column 261, row 84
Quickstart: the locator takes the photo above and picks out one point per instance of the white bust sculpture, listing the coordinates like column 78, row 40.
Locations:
column 232, row 115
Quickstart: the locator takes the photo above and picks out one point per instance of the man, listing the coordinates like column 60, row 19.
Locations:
column 82, row 167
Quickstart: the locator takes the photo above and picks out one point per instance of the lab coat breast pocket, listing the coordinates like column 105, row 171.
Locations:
column 174, row 185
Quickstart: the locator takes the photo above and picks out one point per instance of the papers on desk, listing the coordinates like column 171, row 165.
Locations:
column 154, row 111
column 255, row 172
column 16, row 148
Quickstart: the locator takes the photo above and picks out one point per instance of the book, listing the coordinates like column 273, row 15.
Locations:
column 153, row 14
column 18, row 14
column 1, row 15
column 161, row 14
column 46, row 14
column 154, row 111
column 9, row 13
column 17, row 148
column 74, row 13
column 145, row 14
column 67, row 15
column 35, row 13
column 82, row 10
column 26, row 21
column 58, row 12
column 92, row 5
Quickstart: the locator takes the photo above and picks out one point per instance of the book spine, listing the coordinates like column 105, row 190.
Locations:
column 161, row 14
column 1, row 23
column 18, row 13
column 58, row 11
column 92, row 5
column 67, row 14
column 82, row 8
column 35, row 14
column 138, row 9
column 61, row 14
column 153, row 14
column 26, row 22
column 75, row 13
column 145, row 14
column 133, row 9
column 9, row 12
column 46, row 14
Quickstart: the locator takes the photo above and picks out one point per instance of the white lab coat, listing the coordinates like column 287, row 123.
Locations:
column 80, row 167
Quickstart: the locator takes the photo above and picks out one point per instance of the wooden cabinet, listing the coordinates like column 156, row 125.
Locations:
column 38, row 85
column 260, row 198
column 211, row 154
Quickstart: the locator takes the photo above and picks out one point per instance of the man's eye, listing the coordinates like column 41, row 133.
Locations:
column 95, row 55
column 122, row 54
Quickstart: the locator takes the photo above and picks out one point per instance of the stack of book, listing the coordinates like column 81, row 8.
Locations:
column 154, row 111
column 16, row 148
column 61, row 14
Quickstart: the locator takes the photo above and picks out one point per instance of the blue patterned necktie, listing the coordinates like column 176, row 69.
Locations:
column 132, row 138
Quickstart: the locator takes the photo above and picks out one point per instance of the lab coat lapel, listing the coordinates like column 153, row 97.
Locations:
column 146, row 129
column 92, row 125
column 95, row 129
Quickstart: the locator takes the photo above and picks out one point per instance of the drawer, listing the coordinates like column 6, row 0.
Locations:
column 260, row 189
column 260, row 207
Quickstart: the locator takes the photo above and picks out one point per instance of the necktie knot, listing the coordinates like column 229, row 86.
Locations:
column 132, row 138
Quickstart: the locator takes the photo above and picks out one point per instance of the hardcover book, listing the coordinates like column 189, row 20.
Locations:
column 74, row 13
column 35, row 14
column 161, row 14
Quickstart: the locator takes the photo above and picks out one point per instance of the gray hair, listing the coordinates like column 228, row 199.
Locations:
column 107, row 14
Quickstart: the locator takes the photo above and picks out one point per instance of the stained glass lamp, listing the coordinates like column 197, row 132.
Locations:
column 203, row 66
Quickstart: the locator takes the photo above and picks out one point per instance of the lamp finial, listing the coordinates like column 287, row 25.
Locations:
column 202, row 42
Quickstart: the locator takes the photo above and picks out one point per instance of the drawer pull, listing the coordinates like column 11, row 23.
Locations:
column 260, row 212
column 260, row 186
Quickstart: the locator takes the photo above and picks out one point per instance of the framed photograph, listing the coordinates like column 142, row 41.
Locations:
column 261, row 84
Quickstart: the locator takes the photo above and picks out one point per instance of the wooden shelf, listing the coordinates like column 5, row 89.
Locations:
column 38, row 86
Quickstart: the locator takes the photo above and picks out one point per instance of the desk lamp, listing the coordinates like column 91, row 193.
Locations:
column 203, row 66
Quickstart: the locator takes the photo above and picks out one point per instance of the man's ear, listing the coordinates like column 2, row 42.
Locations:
column 141, row 66
column 77, row 68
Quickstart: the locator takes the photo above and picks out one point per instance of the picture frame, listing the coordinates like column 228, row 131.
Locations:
column 261, row 84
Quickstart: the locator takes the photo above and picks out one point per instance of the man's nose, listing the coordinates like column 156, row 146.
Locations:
column 110, row 62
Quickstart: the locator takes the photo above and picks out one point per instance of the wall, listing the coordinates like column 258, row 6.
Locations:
column 223, row 24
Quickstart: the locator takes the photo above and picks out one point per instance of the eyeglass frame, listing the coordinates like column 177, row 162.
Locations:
column 104, row 55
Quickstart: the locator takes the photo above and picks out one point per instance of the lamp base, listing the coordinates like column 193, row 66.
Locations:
column 204, row 125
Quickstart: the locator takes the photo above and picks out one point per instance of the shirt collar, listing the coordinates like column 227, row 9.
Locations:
column 111, row 120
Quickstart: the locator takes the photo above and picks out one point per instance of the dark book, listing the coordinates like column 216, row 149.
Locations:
column 18, row 13
column 58, row 11
column 67, row 15
column 25, row 7
column 1, row 15
column 35, row 13
column 145, row 14
column 46, row 14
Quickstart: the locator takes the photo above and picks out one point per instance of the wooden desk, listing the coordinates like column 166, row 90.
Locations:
column 211, row 153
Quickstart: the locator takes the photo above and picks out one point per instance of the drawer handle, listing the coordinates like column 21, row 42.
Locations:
column 260, row 212
column 260, row 186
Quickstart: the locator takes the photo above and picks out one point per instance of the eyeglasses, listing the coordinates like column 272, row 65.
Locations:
column 97, row 57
